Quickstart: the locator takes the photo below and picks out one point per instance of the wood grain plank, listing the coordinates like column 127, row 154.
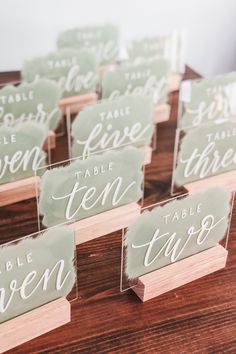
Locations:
column 196, row 318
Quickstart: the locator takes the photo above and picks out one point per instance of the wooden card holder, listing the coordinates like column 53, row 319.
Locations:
column 147, row 150
column 227, row 180
column 50, row 142
column 18, row 191
column 34, row 323
column 76, row 103
column 161, row 113
column 105, row 223
column 175, row 82
column 180, row 273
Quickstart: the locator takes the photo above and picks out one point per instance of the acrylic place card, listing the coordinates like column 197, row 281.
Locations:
column 97, row 189
column 36, row 272
column 149, row 47
column 21, row 151
column 149, row 79
column 21, row 154
column 180, row 232
column 75, row 72
column 112, row 124
column 103, row 40
column 31, row 102
column 170, row 47
column 177, row 230
column 207, row 101
column 206, row 151
column 92, row 186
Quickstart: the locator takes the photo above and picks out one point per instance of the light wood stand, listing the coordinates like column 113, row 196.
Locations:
column 227, row 180
column 105, row 223
column 161, row 113
column 34, row 323
column 18, row 191
column 76, row 103
column 175, row 82
column 180, row 273
column 50, row 142
column 147, row 150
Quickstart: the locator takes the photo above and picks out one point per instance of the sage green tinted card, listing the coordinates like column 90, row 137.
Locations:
column 170, row 46
column 21, row 151
column 89, row 187
column 208, row 100
column 177, row 230
column 206, row 151
column 75, row 72
column 150, row 47
column 36, row 102
column 35, row 271
column 149, row 79
column 102, row 40
column 111, row 124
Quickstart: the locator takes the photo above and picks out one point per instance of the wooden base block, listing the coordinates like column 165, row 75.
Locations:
column 76, row 103
column 180, row 273
column 105, row 223
column 227, row 180
column 161, row 113
column 34, row 323
column 50, row 142
column 147, row 150
column 175, row 82
column 18, row 191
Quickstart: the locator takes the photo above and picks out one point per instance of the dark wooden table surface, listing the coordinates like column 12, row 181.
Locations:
column 197, row 318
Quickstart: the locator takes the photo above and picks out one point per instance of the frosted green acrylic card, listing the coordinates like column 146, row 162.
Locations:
column 74, row 71
column 149, row 79
column 21, row 151
column 207, row 101
column 89, row 187
column 167, row 232
column 36, row 270
column 31, row 102
column 170, row 47
column 103, row 40
column 111, row 124
column 203, row 152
